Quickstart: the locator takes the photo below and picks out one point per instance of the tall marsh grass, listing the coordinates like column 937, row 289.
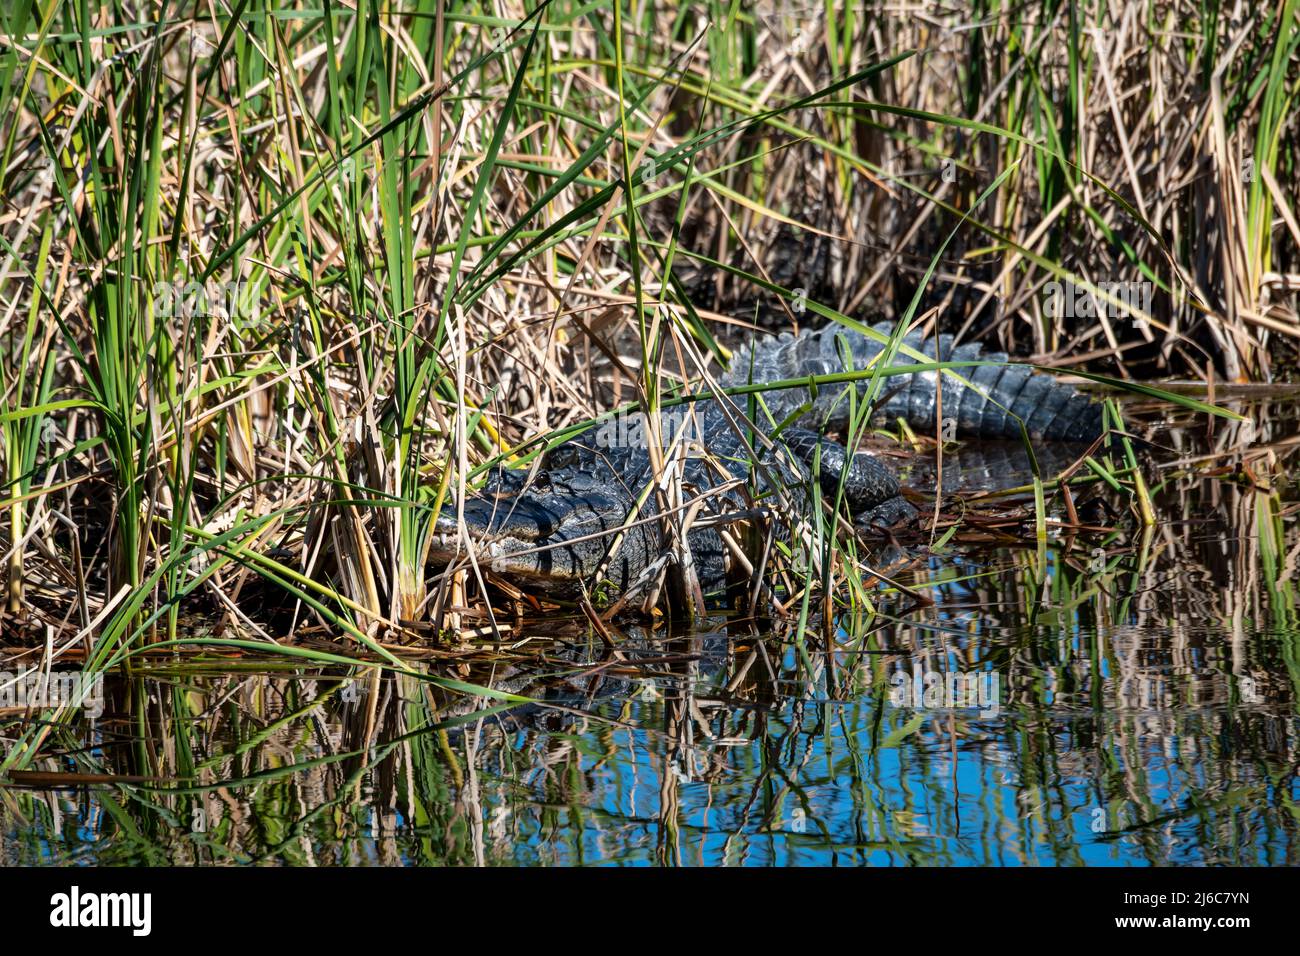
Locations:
column 278, row 279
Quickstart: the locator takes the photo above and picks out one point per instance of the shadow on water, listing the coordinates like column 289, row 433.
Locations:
column 1125, row 699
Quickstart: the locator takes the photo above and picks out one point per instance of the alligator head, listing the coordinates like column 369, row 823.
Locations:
column 555, row 530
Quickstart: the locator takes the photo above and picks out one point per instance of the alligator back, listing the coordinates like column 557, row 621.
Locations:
column 984, row 401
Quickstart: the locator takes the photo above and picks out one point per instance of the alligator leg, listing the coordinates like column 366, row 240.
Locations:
column 885, row 515
column 870, row 486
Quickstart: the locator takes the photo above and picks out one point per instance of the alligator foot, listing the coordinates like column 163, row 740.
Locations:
column 869, row 482
column 885, row 515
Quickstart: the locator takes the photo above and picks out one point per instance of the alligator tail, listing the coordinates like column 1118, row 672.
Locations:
column 992, row 401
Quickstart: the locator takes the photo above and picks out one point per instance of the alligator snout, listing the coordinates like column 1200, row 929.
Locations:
column 551, row 530
column 500, row 516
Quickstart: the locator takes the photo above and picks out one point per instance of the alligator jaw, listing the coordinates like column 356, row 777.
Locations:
column 554, row 537
column 492, row 536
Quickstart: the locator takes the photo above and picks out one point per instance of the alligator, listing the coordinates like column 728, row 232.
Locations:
column 585, row 519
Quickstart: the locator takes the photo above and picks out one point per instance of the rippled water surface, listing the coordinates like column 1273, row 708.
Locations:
column 1117, row 698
